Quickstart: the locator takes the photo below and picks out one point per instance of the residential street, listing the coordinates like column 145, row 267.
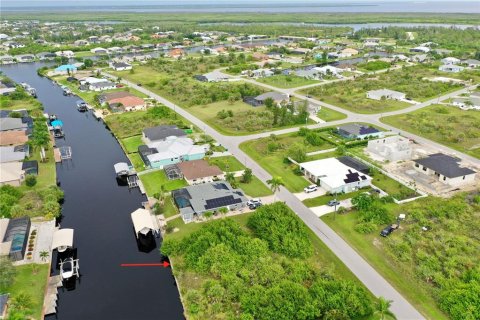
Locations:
column 365, row 273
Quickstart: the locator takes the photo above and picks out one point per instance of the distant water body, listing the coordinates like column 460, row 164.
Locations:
column 246, row 6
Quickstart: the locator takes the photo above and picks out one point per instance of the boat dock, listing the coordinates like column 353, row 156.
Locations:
column 51, row 295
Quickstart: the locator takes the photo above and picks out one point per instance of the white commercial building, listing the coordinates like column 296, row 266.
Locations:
column 394, row 148
column 334, row 176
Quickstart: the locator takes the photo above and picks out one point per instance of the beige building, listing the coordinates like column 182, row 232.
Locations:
column 394, row 148
column 445, row 169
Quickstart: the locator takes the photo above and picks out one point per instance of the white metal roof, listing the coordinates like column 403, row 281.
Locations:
column 62, row 238
column 142, row 221
column 121, row 167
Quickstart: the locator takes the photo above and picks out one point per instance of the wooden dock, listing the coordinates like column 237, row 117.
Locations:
column 57, row 155
column 50, row 302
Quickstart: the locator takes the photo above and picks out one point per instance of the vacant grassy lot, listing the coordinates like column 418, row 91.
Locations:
column 391, row 186
column 327, row 114
column 451, row 126
column 131, row 144
column 284, row 81
column 31, row 280
column 26, row 102
column 412, row 260
column 153, row 181
column 352, row 95
column 274, row 160
column 227, row 163
column 255, row 188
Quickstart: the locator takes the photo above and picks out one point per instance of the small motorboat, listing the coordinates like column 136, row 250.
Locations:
column 67, row 268
column 58, row 132
column 82, row 106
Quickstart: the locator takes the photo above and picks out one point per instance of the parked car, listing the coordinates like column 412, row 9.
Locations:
column 255, row 205
column 386, row 231
column 332, row 203
column 253, row 201
column 311, row 188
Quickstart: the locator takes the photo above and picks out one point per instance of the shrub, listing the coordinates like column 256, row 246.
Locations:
column 365, row 227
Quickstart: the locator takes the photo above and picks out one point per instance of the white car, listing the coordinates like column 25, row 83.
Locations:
column 311, row 188
column 254, row 201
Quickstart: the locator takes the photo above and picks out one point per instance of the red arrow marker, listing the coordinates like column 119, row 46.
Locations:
column 163, row 264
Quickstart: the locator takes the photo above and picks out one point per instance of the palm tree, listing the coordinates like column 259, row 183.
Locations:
column 44, row 255
column 230, row 177
column 275, row 184
column 382, row 309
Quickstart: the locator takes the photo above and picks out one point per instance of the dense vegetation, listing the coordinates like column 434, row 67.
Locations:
column 252, row 276
column 437, row 245
column 374, row 65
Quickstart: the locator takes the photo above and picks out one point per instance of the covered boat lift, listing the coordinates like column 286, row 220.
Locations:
column 143, row 222
column 62, row 240
column 126, row 172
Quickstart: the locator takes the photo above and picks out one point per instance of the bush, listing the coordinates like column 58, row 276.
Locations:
column 365, row 227
column 31, row 180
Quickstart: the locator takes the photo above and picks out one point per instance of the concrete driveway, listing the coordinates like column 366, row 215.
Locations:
column 323, row 210
column 303, row 195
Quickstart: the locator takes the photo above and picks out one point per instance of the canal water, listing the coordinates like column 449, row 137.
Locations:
column 99, row 211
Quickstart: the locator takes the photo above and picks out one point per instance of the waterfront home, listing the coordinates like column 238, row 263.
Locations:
column 194, row 201
column 385, row 94
column 6, row 88
column 451, row 68
column 122, row 101
column 176, row 53
column 348, row 52
column 171, row 151
column 66, row 53
column 394, row 148
column 160, row 133
column 6, row 59
column 13, row 137
column 120, row 66
column 11, row 173
column 102, row 86
column 358, row 131
column 99, row 50
column 13, row 237
column 42, row 56
column 9, row 124
column 199, row 171
column 23, row 58
column 13, row 153
column 445, row 169
column 328, row 70
column 334, row 176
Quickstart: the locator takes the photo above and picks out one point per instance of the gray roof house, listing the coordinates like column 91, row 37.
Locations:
column 13, row 153
column 7, row 124
column 358, row 131
column 160, row 133
column 446, row 169
column 194, row 201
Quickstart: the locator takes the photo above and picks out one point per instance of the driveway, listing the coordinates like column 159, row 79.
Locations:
column 323, row 210
column 303, row 195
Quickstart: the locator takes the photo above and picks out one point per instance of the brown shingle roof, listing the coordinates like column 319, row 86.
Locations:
column 13, row 137
column 196, row 169
column 116, row 95
column 131, row 101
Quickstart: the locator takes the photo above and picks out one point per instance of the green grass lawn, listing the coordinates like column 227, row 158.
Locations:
column 30, row 103
column 323, row 200
column 328, row 115
column 131, row 144
column 226, row 163
column 32, row 284
column 255, row 188
column 136, row 161
column 170, row 209
column 391, row 186
column 370, row 247
column 152, row 182
column 47, row 171
column 284, row 81
column 450, row 126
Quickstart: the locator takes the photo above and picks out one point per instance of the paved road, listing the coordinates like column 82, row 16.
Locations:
column 365, row 273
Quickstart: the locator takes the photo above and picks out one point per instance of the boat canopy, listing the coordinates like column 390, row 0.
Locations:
column 143, row 221
column 121, row 168
column 57, row 123
column 62, row 239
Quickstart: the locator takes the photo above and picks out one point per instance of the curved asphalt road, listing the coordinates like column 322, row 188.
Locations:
column 364, row 272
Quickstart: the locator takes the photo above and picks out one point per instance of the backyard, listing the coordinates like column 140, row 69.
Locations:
column 327, row 114
column 153, row 181
column 448, row 125
column 352, row 94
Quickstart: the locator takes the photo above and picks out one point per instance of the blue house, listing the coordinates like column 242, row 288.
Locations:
column 65, row 68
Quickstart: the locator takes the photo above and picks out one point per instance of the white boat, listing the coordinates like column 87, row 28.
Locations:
column 67, row 268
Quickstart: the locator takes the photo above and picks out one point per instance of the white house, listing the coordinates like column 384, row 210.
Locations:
column 451, row 68
column 261, row 73
column 6, row 59
column 120, row 66
column 99, row 50
column 385, row 94
column 472, row 63
column 66, row 53
column 101, row 86
column 334, row 176
column 394, row 148
column 445, row 169
column 326, row 70
column 450, row 61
